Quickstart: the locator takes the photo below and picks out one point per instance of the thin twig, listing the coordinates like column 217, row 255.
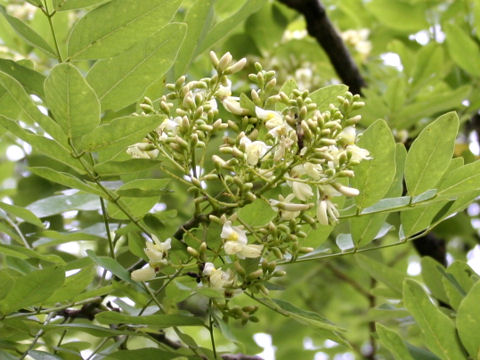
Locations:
column 38, row 335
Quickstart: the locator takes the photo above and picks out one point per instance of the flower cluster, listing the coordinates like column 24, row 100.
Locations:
column 278, row 146
column 358, row 39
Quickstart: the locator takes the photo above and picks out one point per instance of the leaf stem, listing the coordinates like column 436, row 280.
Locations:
column 210, row 330
column 107, row 228
column 52, row 30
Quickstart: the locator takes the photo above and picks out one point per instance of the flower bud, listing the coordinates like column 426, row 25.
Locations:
column 224, row 62
column 214, row 58
column 239, row 65
column 146, row 273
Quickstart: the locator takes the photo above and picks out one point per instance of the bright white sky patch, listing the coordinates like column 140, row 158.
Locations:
column 473, row 257
column 392, row 59
column 15, row 153
column 414, row 267
column 265, row 341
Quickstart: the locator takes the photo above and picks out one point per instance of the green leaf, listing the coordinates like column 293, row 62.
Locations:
column 21, row 252
column 366, row 228
column 393, row 342
column 138, row 196
column 159, row 321
column 327, row 95
column 399, row 15
column 91, row 329
column 66, row 179
column 28, row 34
column 430, row 154
column 432, row 274
column 72, row 101
column 461, row 180
column 438, row 329
column 467, row 321
column 110, row 168
column 111, row 265
column 60, row 203
column 224, row 27
column 6, row 283
column 387, row 275
column 303, row 316
column 42, row 355
column 62, row 5
column 198, row 20
column 73, row 286
column 463, row 49
column 32, row 289
column 22, row 213
column 122, row 80
column 374, row 177
column 30, row 112
column 257, row 213
column 118, row 25
column 30, row 79
column 430, row 105
column 144, row 188
column 50, row 148
column 120, row 132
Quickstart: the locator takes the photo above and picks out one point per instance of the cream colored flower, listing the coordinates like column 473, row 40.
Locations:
column 232, row 104
column 236, row 242
column 255, row 150
column 271, row 118
column 301, row 190
column 327, row 212
column 146, row 273
column 358, row 154
column 348, row 135
column 157, row 252
column 218, row 278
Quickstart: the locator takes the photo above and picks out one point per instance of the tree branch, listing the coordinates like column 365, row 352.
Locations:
column 321, row 28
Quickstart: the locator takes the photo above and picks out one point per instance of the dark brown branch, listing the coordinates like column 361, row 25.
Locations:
column 321, row 28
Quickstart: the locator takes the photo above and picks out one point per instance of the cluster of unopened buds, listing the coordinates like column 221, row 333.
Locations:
column 278, row 148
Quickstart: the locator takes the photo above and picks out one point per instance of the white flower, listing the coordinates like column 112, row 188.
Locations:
column 157, row 252
column 170, row 125
column 315, row 171
column 254, row 150
column 347, row 191
column 236, row 242
column 327, row 212
column 233, row 233
column 348, row 135
column 144, row 274
column 232, row 104
column 301, row 190
column 271, row 118
column 358, row 154
column 283, row 144
column 219, row 279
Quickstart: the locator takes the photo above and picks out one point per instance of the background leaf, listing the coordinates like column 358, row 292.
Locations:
column 122, row 80
column 118, row 25
column 430, row 154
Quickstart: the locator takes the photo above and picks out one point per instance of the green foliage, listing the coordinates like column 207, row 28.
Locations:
column 153, row 208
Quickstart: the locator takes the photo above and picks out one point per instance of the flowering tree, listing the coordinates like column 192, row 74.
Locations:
column 182, row 175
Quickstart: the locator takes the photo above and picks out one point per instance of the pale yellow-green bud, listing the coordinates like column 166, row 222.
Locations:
column 224, row 62
column 213, row 58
